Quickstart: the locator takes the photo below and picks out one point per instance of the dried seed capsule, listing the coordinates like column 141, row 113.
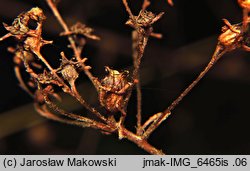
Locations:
column 230, row 34
column 69, row 74
column 114, row 88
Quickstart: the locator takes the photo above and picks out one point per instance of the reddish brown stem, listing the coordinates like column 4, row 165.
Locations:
column 5, row 36
column 141, row 142
column 21, row 82
column 145, row 4
column 85, row 121
column 76, row 94
column 139, row 107
column 125, row 3
column 135, row 42
column 153, row 118
column 219, row 52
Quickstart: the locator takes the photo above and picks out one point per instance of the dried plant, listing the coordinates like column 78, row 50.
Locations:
column 116, row 87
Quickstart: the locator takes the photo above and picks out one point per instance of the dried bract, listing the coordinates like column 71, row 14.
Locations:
column 48, row 78
column 144, row 19
column 20, row 26
column 81, row 29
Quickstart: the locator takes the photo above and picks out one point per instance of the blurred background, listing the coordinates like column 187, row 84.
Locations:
column 212, row 119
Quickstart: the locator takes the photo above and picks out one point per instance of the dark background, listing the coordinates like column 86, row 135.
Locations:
column 212, row 119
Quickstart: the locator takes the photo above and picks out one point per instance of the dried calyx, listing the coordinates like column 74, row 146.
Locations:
column 20, row 26
column 68, row 71
column 113, row 90
column 31, row 38
column 230, row 34
column 144, row 19
column 114, row 79
column 81, row 29
column 234, row 36
column 48, row 78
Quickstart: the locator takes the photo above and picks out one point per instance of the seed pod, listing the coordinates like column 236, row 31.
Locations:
column 69, row 74
column 229, row 35
column 113, row 92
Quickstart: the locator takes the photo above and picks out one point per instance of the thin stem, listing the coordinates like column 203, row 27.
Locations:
column 219, row 52
column 155, row 124
column 53, row 71
column 135, row 42
column 85, row 121
column 39, row 55
column 137, row 56
column 153, row 118
column 76, row 94
column 139, row 107
column 141, row 44
column 5, row 36
column 141, row 142
column 128, row 9
column 21, row 82
column 145, row 4
column 72, row 42
column 126, row 133
column 121, row 124
column 43, row 111
column 78, row 57
column 140, row 38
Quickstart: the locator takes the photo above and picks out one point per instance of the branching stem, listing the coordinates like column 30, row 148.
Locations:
column 72, row 42
column 219, row 52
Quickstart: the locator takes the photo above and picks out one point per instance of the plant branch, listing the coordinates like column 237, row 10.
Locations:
column 72, row 43
column 21, row 82
column 219, row 52
column 85, row 121
column 153, row 118
column 135, row 42
column 125, row 3
column 76, row 94
column 141, row 142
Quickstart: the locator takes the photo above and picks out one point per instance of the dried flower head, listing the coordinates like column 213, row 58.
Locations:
column 230, row 34
column 36, row 14
column 115, row 80
column 20, row 25
column 48, row 78
column 144, row 19
column 81, row 29
column 69, row 73
column 113, row 90
column 235, row 36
